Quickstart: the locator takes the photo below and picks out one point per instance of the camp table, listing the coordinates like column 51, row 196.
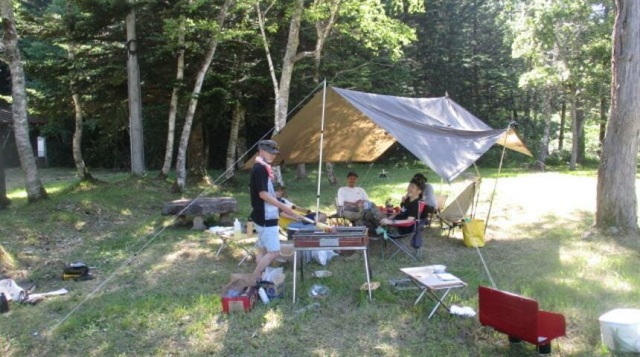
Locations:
column 430, row 283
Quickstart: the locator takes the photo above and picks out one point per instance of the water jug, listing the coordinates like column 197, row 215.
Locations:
column 237, row 229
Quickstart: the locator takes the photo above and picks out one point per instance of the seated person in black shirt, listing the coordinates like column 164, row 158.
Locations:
column 409, row 209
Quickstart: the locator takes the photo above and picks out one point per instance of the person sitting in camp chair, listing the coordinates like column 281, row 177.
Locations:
column 428, row 196
column 290, row 222
column 409, row 209
column 354, row 205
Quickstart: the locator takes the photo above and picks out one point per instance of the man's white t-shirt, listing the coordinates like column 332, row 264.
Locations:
column 351, row 194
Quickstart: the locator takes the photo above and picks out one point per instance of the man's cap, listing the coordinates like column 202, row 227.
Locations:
column 269, row 146
column 352, row 173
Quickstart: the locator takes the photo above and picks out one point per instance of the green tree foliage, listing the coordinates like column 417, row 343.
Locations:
column 461, row 48
column 461, row 52
column 567, row 46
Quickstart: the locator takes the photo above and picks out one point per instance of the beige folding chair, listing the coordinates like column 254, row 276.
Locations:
column 338, row 219
column 455, row 212
column 440, row 201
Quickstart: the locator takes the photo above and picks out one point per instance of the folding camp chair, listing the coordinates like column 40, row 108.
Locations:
column 454, row 213
column 413, row 238
column 440, row 201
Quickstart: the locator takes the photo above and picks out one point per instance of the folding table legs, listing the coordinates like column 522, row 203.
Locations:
column 226, row 242
column 295, row 270
column 437, row 299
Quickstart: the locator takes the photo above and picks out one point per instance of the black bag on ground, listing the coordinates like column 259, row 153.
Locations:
column 75, row 271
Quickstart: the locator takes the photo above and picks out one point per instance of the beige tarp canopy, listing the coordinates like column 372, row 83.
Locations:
column 359, row 127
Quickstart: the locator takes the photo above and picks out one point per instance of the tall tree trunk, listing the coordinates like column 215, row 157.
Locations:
column 577, row 129
column 616, row 203
column 173, row 106
column 4, row 200
column 323, row 29
column 135, row 102
column 181, row 174
column 603, row 124
column 197, row 152
column 286, row 72
column 563, row 120
column 546, row 130
column 81, row 169
column 241, row 144
column 331, row 174
column 581, row 153
column 232, row 147
column 35, row 189
column 527, row 105
column 301, row 172
column 283, row 86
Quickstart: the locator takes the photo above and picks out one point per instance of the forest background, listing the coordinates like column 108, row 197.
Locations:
column 545, row 65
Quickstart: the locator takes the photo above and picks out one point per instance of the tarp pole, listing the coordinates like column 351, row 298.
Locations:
column 495, row 185
column 324, row 102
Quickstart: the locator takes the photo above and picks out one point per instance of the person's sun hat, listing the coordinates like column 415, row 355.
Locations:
column 269, row 146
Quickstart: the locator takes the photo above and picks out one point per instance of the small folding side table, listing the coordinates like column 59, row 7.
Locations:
column 228, row 240
column 431, row 284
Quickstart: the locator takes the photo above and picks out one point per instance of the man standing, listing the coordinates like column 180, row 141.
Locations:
column 265, row 206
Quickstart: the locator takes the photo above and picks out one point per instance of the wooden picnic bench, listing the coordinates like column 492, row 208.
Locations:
column 200, row 208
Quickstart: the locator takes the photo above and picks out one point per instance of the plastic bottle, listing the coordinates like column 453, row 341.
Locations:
column 263, row 295
column 250, row 228
column 237, row 229
column 389, row 207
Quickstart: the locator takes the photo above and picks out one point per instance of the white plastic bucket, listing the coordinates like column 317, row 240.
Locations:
column 620, row 330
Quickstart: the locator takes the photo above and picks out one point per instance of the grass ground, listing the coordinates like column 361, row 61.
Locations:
column 156, row 290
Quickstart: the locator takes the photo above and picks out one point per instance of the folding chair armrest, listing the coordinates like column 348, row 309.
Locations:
column 403, row 224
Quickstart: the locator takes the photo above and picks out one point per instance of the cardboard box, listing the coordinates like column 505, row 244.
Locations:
column 241, row 303
column 274, row 290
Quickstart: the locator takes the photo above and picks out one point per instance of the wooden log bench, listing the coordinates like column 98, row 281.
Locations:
column 519, row 318
column 200, row 208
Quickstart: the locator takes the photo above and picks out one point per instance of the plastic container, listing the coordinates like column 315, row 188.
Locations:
column 250, row 229
column 620, row 330
column 263, row 296
column 237, row 229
